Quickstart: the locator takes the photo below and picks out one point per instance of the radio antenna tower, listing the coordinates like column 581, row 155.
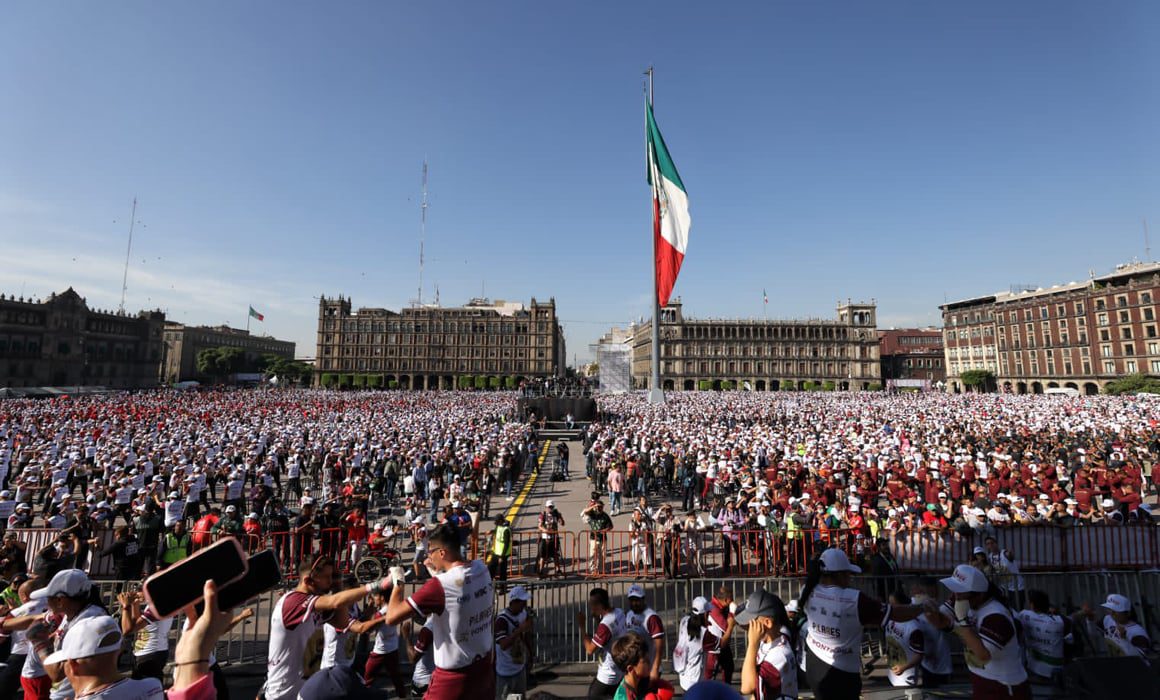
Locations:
column 128, row 251
column 422, row 231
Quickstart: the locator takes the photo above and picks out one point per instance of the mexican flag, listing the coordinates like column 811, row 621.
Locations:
column 670, row 211
column 255, row 314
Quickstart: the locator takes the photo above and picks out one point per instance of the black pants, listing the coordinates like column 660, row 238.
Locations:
column 219, row 682
column 828, row 683
column 601, row 691
column 934, row 680
column 10, row 676
column 150, row 665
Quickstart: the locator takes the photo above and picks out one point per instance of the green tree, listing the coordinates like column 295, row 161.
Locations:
column 509, row 382
column 328, row 380
column 375, row 381
column 480, row 382
column 705, row 385
column 980, row 380
column 829, row 386
column 728, row 385
column 493, row 383
column 466, row 381
column 1133, row 384
column 874, row 386
column 393, row 384
column 810, row 385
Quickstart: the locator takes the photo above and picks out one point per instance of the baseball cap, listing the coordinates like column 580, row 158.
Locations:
column 519, row 593
column 834, row 560
column 791, row 606
column 70, row 582
column 549, row 503
column 1117, row 603
column 87, row 637
column 760, row 603
column 335, row 683
column 966, row 579
column 978, row 550
column 231, row 509
column 700, row 604
column 252, row 516
column 636, row 591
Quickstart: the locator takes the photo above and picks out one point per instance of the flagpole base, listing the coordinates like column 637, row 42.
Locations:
column 656, row 396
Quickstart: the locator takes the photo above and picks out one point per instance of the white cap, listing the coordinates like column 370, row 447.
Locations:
column 834, row 560
column 378, row 527
column 252, row 516
column 966, row 579
column 231, row 509
column 70, row 582
column 519, row 593
column 700, row 604
column 1108, row 503
column 1117, row 603
column 942, row 494
column 87, row 637
column 636, row 591
column 174, row 494
column 549, row 503
column 791, row 606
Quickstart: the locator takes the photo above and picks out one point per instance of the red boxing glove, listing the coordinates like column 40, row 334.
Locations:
column 662, row 691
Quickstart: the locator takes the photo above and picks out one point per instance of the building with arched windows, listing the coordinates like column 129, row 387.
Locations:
column 496, row 343
column 762, row 355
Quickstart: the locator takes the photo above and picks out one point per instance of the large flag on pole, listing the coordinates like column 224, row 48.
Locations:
column 670, row 211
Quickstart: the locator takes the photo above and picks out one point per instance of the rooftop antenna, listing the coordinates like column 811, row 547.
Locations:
column 1147, row 244
column 422, row 231
column 128, row 251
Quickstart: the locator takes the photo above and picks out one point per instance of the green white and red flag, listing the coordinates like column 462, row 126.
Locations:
column 670, row 211
column 255, row 314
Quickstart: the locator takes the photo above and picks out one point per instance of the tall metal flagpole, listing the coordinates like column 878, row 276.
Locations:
column 655, row 394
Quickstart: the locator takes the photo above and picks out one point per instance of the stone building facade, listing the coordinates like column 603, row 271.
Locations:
column 1079, row 335
column 433, row 347
column 911, row 355
column 762, row 355
column 183, row 343
column 61, row 342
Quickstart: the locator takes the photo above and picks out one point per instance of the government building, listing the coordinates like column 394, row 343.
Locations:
column 60, row 342
column 484, row 343
column 183, row 343
column 1079, row 335
column 912, row 358
column 762, row 355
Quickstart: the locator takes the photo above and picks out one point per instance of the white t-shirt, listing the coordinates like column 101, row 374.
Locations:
column 63, row 688
column 511, row 661
column 776, row 668
column 386, row 636
column 425, row 664
column 461, row 601
column 836, row 617
column 153, row 637
column 904, row 642
column 1120, row 643
column 610, row 628
column 936, row 652
column 339, row 646
column 1043, row 635
column 32, row 666
column 689, row 655
column 292, row 623
column 128, row 689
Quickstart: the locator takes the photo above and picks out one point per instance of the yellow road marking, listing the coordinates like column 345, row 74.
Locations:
column 515, row 507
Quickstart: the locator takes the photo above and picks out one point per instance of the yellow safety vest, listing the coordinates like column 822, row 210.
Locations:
column 501, row 543
column 791, row 528
column 175, row 549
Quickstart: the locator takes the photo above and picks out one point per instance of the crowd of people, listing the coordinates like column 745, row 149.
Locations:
column 141, row 481
column 773, row 475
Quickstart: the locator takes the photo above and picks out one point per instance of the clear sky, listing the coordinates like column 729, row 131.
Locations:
column 905, row 151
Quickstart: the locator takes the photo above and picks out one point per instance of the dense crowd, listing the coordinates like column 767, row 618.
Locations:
column 880, row 464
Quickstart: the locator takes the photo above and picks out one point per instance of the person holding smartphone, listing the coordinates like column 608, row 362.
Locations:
column 297, row 615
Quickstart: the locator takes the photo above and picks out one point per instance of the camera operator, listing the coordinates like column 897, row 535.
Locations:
column 513, row 645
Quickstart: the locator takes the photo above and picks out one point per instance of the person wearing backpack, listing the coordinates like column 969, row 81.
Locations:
column 694, row 642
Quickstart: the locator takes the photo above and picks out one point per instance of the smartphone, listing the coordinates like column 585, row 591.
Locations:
column 262, row 575
column 182, row 585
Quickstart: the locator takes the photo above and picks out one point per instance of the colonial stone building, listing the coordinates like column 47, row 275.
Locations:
column 912, row 357
column 762, row 355
column 1079, row 335
column 61, row 342
column 183, row 343
column 434, row 347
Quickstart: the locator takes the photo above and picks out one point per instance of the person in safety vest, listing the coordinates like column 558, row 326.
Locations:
column 501, row 549
column 175, row 545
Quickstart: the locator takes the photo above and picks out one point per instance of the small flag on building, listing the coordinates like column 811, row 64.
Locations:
column 255, row 314
column 764, row 296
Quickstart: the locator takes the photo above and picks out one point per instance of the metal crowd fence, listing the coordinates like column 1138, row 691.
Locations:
column 556, row 603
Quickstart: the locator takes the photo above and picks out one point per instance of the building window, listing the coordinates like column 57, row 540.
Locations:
column 1122, row 301
column 1130, row 366
column 1126, row 332
column 1124, row 317
column 1102, row 319
column 1109, row 367
column 1155, row 365
column 1129, row 349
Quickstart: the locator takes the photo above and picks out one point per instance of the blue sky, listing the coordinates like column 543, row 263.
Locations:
column 897, row 150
